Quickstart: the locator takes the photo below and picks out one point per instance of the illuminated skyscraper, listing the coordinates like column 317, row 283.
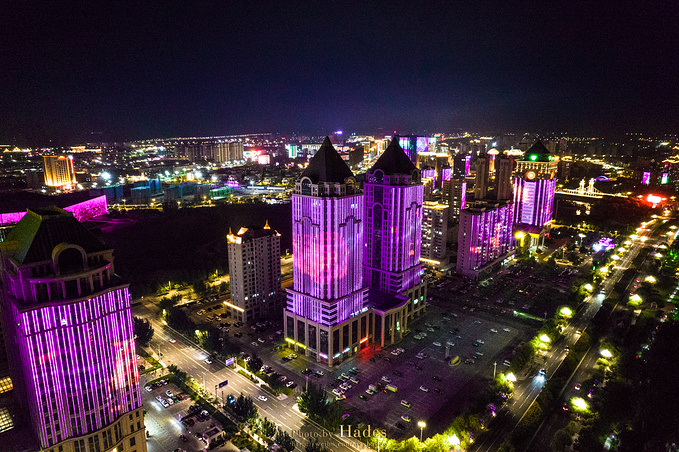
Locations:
column 59, row 171
column 326, row 314
column 67, row 320
column 255, row 270
column 534, row 187
column 393, row 223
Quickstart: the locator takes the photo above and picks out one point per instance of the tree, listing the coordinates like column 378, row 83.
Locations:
column 268, row 427
column 314, row 446
column 143, row 331
column 178, row 319
column 314, row 402
column 255, row 363
column 562, row 439
column 286, row 441
column 245, row 408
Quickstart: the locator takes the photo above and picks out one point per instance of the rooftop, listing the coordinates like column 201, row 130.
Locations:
column 327, row 165
column 393, row 160
column 538, row 153
column 37, row 234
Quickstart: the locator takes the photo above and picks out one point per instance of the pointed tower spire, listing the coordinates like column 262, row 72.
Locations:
column 327, row 165
column 266, row 226
column 394, row 160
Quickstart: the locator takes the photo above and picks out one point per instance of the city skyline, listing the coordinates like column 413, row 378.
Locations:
column 124, row 73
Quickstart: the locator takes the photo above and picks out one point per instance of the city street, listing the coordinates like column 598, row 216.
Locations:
column 527, row 391
column 187, row 357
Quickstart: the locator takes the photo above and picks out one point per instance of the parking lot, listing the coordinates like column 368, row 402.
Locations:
column 169, row 421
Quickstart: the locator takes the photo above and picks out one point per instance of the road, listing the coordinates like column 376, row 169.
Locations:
column 191, row 359
column 527, row 391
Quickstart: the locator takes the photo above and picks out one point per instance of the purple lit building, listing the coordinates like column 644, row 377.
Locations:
column 393, row 239
column 67, row 319
column 485, row 237
column 534, row 187
column 326, row 313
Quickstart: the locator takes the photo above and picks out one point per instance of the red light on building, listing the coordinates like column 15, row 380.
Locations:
column 654, row 199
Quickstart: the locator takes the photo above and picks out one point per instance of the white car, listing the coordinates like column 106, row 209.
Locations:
column 256, row 344
column 424, row 389
column 493, row 330
column 262, row 398
column 506, row 330
column 170, row 402
column 148, row 388
column 164, row 403
column 168, row 393
column 437, row 343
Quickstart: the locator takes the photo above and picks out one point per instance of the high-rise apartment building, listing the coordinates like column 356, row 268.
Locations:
column 255, row 271
column 455, row 195
column 534, row 187
column 485, row 237
column 67, row 320
column 482, row 177
column 326, row 313
column 227, row 151
column 503, row 181
column 393, row 222
column 461, row 166
column 59, row 171
column 434, row 231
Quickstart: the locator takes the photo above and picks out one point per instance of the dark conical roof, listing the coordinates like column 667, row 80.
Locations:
column 538, row 153
column 394, row 160
column 327, row 165
column 40, row 230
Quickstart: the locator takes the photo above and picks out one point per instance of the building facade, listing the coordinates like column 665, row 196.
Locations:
column 485, row 237
column 255, row 273
column 327, row 307
column 434, row 231
column 59, row 171
column 455, row 195
column 393, row 222
column 67, row 318
column 534, row 188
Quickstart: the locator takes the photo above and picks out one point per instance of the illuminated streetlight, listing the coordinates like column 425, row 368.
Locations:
column 422, row 425
column 588, row 287
column 511, row 377
column 606, row 353
column 579, row 403
column 544, row 338
column 615, row 257
column 453, row 441
column 650, row 279
column 566, row 312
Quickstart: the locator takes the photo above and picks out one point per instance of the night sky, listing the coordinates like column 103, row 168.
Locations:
column 105, row 71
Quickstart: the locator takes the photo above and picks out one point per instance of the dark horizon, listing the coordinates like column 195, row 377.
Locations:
column 107, row 72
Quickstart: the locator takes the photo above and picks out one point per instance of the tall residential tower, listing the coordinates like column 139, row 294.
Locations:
column 255, row 269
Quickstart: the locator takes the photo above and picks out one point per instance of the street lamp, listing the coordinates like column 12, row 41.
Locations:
column 454, row 441
column 422, row 425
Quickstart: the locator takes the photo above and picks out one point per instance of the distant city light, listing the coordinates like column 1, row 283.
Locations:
column 603, row 243
column 654, row 199
column 106, row 176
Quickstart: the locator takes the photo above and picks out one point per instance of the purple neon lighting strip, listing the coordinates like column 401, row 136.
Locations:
column 108, row 365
